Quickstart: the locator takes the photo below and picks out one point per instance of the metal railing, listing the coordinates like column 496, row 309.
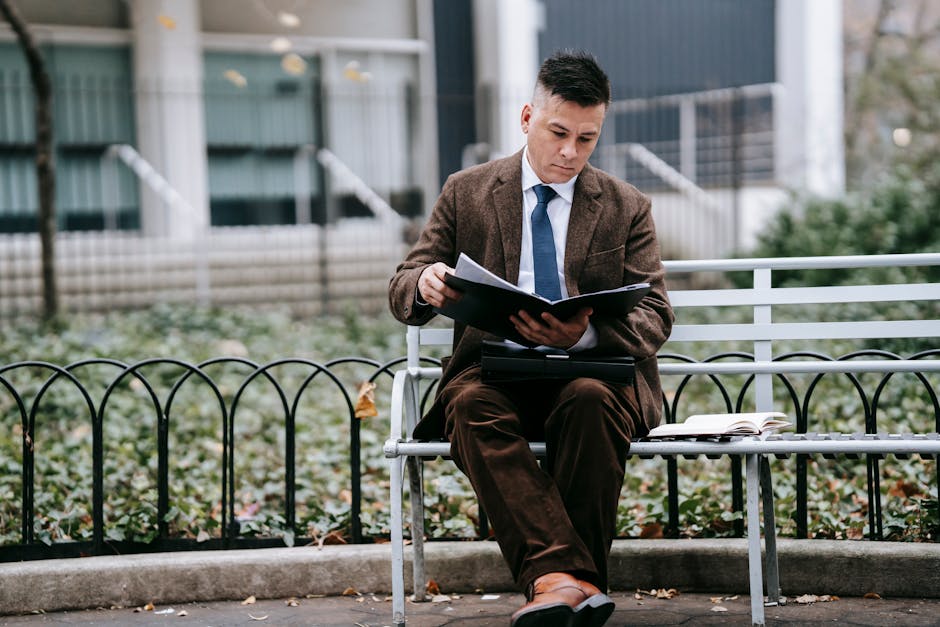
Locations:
column 298, row 393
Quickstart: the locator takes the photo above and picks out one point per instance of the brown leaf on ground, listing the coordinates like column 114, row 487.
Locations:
column 365, row 403
column 250, row 600
column 904, row 489
column 663, row 593
column 652, row 530
column 292, row 602
column 433, row 588
column 183, row 613
column 872, row 595
column 351, row 592
column 333, row 537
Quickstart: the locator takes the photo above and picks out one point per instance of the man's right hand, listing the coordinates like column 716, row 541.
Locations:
column 432, row 288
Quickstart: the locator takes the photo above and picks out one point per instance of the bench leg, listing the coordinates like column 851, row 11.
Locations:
column 753, row 539
column 770, row 534
column 396, row 469
column 417, row 527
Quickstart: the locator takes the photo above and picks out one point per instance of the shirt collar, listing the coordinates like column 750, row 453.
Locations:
column 531, row 179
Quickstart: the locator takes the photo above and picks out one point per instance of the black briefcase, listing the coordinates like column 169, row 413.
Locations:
column 504, row 362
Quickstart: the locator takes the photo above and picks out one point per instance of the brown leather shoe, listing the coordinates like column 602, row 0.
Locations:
column 561, row 600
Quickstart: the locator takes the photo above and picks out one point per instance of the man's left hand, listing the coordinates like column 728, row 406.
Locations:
column 547, row 330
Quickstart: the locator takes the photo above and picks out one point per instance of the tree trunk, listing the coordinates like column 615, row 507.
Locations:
column 45, row 158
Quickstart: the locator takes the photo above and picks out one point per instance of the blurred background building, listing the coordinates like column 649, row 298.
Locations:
column 286, row 151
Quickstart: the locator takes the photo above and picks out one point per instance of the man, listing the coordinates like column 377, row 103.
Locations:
column 554, row 525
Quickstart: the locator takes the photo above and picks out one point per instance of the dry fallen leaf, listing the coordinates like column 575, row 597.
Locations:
column 350, row 592
column 280, row 44
column 440, row 598
column 872, row 595
column 333, row 537
column 235, row 78
column 148, row 607
column 806, row 598
column 183, row 613
column 265, row 617
column 365, row 403
column 292, row 602
column 433, row 588
column 653, row 530
column 250, row 600
column 293, row 63
column 290, row 20
column 663, row 593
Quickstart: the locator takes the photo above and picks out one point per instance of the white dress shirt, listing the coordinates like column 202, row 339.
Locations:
column 559, row 210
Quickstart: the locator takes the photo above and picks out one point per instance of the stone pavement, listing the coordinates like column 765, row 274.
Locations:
column 903, row 578
column 493, row 609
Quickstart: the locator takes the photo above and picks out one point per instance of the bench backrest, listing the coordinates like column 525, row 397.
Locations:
column 762, row 329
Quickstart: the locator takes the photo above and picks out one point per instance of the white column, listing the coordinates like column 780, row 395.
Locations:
column 507, row 61
column 810, row 150
column 425, row 142
column 168, row 73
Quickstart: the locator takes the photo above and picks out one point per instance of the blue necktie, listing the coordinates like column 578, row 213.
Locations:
column 543, row 246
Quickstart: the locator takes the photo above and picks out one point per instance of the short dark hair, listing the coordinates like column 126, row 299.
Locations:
column 575, row 76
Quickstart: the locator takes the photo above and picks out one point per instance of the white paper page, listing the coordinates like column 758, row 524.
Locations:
column 470, row 270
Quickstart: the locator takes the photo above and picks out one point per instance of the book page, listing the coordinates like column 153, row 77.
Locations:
column 723, row 424
column 470, row 270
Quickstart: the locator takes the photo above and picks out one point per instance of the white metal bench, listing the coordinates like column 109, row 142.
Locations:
column 760, row 333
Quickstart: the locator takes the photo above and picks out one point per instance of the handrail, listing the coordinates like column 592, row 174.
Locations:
column 137, row 164
column 366, row 195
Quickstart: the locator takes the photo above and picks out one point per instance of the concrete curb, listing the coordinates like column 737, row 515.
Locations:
column 846, row 568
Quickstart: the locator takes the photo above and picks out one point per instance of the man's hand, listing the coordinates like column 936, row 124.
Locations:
column 550, row 331
column 432, row 288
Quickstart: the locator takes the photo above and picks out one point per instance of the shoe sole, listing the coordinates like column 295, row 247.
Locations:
column 559, row 615
column 594, row 611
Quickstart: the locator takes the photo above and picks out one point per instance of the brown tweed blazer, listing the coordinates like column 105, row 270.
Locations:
column 611, row 242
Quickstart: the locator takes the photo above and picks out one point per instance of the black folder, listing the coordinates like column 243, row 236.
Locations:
column 488, row 307
column 504, row 362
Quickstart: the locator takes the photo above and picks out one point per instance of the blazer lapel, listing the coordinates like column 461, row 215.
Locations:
column 507, row 200
column 585, row 213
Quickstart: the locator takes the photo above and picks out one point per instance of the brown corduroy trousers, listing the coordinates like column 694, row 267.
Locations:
column 560, row 516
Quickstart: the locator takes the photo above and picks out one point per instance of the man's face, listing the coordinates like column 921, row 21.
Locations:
column 560, row 135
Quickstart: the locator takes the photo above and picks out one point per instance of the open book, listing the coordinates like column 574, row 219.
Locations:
column 487, row 301
column 711, row 425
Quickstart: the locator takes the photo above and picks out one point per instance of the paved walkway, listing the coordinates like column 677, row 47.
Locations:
column 306, row 585
column 494, row 609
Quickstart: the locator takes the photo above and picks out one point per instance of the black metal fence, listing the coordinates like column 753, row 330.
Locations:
column 285, row 413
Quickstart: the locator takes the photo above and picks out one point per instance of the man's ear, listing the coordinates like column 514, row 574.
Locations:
column 526, row 117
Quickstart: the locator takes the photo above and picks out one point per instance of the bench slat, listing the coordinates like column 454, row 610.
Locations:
column 854, row 330
column 805, row 295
